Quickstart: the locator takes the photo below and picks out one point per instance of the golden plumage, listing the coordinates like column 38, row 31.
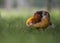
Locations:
column 41, row 19
column 31, row 21
column 45, row 22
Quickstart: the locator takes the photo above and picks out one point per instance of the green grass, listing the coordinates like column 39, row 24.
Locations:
column 14, row 30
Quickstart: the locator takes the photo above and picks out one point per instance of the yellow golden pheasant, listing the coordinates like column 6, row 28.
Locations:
column 40, row 19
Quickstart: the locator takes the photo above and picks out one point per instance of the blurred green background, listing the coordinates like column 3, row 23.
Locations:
column 13, row 15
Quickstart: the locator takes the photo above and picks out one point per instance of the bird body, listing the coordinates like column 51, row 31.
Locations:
column 41, row 19
column 45, row 22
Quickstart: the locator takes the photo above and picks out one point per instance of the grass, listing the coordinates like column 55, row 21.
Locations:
column 14, row 30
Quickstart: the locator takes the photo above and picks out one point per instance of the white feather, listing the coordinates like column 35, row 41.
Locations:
column 30, row 23
column 44, row 17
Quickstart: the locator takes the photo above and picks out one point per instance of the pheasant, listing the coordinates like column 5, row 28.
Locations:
column 40, row 19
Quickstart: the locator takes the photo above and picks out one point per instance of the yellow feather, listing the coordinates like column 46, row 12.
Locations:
column 29, row 21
